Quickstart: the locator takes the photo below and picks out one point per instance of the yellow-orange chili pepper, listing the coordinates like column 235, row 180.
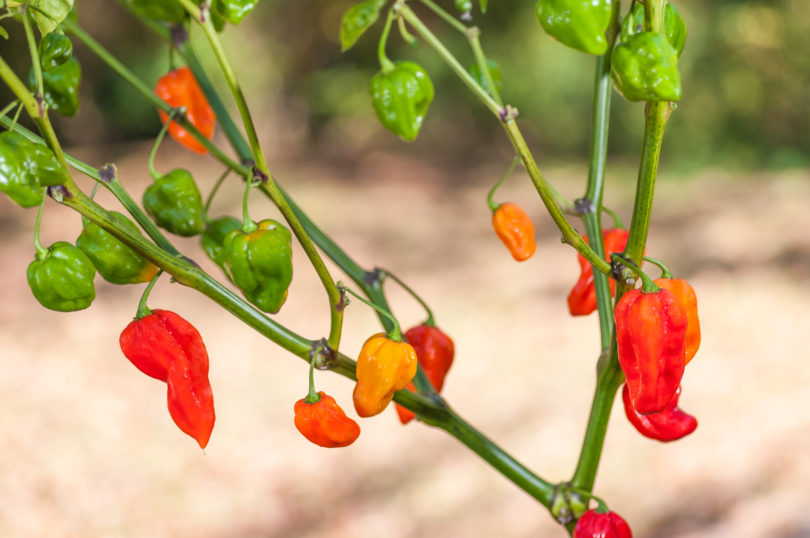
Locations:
column 685, row 295
column 384, row 366
column 514, row 227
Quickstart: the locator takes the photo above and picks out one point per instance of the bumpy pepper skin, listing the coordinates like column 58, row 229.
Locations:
column 593, row 524
column 179, row 88
column 434, row 351
column 579, row 24
column 383, row 367
column 645, row 68
column 61, row 87
column 668, row 425
column 401, row 97
column 54, row 50
column 62, row 280
column 260, row 263
column 234, row 10
column 114, row 261
column 25, row 168
column 514, row 227
column 175, row 203
column 582, row 297
column 674, row 26
column 213, row 238
column 651, row 336
column 324, row 423
column 685, row 295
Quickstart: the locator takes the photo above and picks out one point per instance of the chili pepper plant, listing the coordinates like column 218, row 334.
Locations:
column 649, row 328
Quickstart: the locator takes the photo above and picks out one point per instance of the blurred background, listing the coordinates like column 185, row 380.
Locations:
column 89, row 449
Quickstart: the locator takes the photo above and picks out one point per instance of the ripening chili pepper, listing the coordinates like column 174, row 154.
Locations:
column 175, row 203
column 434, row 351
column 514, row 227
column 685, row 295
column 324, row 422
column 651, row 336
column 384, row 366
column 674, row 26
column 582, row 297
column 593, row 524
column 179, row 88
column 61, row 278
column 670, row 424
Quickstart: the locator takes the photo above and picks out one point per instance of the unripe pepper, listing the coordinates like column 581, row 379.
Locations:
column 434, row 351
column 685, row 295
column 593, row 524
column 401, row 94
column 175, row 203
column 651, row 335
column 674, row 26
column 54, row 50
column 645, row 68
column 579, row 24
column 582, row 297
column 61, row 278
column 670, row 424
column 26, row 167
column 213, row 238
column 179, row 88
column 384, row 366
column 514, row 227
column 61, row 86
column 324, row 423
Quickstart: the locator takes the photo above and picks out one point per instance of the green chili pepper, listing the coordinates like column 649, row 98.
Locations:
column 54, row 50
column 26, row 167
column 494, row 72
column 674, row 26
column 175, row 203
column 260, row 263
column 401, row 96
column 114, row 261
column 213, row 237
column 61, row 87
column 579, row 24
column 645, row 68
column 61, row 278
column 234, row 10
column 161, row 10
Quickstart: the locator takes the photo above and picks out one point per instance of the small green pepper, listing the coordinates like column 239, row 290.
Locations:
column 213, row 237
column 259, row 262
column 645, row 68
column 401, row 95
column 61, row 278
column 26, row 167
column 494, row 72
column 61, row 87
column 114, row 261
column 579, row 24
column 674, row 26
column 175, row 203
column 234, row 10
column 54, row 50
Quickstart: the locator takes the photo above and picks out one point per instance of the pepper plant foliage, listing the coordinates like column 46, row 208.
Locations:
column 636, row 50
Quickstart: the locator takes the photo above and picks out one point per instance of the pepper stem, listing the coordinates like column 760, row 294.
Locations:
column 492, row 205
column 8, row 108
column 647, row 284
column 16, row 117
column 394, row 334
column 617, row 222
column 214, row 190
column 313, row 396
column 144, row 310
column 156, row 145
column 248, row 225
column 665, row 272
column 385, row 63
column 430, row 321
column 41, row 251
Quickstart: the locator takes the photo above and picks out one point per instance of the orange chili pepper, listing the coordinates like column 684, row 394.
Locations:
column 685, row 295
column 514, row 227
column 384, row 366
column 324, row 422
column 179, row 88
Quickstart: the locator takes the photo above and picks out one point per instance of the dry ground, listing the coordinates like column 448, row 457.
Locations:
column 88, row 449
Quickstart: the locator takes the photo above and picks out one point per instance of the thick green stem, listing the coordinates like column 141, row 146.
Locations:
column 32, row 48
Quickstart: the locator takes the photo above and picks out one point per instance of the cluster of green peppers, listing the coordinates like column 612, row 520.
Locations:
column 61, row 74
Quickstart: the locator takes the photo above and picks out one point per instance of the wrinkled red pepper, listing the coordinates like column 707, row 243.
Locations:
column 670, row 424
column 582, row 298
column 685, row 295
column 179, row 88
column 593, row 524
column 324, row 422
column 434, row 351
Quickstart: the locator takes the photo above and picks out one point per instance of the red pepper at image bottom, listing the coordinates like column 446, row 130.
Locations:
column 593, row 524
column 668, row 425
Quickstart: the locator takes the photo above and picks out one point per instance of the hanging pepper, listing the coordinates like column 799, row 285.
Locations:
column 179, row 88
column 324, row 423
column 685, row 295
column 582, row 297
column 593, row 524
column 26, row 167
column 54, row 50
column 401, row 94
column 60, row 84
column 579, row 24
column 114, row 261
column 674, row 26
column 670, row 424
column 434, row 351
column 213, row 238
column 61, row 278
column 645, row 68
column 175, row 202
column 514, row 227
column 384, row 366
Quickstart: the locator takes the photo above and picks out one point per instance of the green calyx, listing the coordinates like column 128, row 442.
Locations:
column 114, row 261
column 645, row 68
column 213, row 238
column 260, row 263
column 175, row 203
column 674, row 26
column 61, row 86
column 579, row 24
column 401, row 97
column 26, row 167
column 54, row 50
column 62, row 278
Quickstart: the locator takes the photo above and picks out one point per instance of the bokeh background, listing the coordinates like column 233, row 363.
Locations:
column 89, row 449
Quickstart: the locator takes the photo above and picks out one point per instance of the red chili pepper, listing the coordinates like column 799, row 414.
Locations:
column 167, row 347
column 651, row 333
column 434, row 351
column 324, row 422
column 593, row 524
column 685, row 295
column 179, row 88
column 582, row 298
column 668, row 425
column 514, row 227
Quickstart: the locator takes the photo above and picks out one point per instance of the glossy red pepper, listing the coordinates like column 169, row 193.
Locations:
column 651, row 335
column 582, row 298
column 434, row 351
column 514, row 227
column 324, row 422
column 670, row 424
column 593, row 524
column 685, row 295
column 179, row 88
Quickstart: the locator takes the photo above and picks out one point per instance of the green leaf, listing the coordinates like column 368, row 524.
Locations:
column 3, row 33
column 49, row 13
column 357, row 20
column 483, row 5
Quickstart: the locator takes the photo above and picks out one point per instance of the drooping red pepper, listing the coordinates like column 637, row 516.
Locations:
column 582, row 298
column 651, row 335
column 685, row 295
column 670, row 424
column 324, row 422
column 514, row 227
column 434, row 351
column 179, row 88
column 593, row 524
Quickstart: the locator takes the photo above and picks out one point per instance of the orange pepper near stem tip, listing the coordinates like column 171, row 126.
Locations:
column 179, row 88
column 514, row 227
column 384, row 366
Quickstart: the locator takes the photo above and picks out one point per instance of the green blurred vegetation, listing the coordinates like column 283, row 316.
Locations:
column 745, row 76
